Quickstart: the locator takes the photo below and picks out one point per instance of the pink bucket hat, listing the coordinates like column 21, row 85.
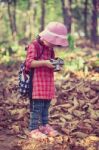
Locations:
column 55, row 33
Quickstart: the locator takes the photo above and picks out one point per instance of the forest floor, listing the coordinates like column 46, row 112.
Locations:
column 75, row 113
column 6, row 141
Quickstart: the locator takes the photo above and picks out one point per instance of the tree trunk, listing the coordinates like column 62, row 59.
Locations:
column 85, row 17
column 42, row 15
column 12, row 18
column 31, row 9
column 66, row 9
column 94, row 36
column 32, row 20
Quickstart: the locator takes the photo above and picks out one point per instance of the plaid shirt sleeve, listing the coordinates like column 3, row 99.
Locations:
column 31, row 55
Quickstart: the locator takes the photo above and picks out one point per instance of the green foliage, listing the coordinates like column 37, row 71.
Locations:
column 53, row 11
column 5, row 57
column 71, row 41
column 96, row 63
column 11, row 53
column 22, row 4
column 75, row 64
column 72, row 62
column 98, row 55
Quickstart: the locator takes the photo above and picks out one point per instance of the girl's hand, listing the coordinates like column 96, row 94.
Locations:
column 48, row 64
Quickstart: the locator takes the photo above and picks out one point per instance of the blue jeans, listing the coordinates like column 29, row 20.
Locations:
column 38, row 113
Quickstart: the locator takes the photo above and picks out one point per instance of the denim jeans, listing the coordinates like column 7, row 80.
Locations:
column 38, row 113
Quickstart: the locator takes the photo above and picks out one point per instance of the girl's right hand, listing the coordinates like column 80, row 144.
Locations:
column 48, row 64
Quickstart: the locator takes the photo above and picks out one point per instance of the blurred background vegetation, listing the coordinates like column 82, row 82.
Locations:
column 22, row 20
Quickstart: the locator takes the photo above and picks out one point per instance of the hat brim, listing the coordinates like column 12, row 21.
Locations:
column 57, row 41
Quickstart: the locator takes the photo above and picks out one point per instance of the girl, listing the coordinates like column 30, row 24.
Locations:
column 43, row 78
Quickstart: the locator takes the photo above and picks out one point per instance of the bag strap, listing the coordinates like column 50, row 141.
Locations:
column 38, row 47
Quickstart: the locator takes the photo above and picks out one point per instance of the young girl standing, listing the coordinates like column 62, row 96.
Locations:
column 43, row 78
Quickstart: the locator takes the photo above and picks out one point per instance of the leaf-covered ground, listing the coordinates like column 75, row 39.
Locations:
column 74, row 112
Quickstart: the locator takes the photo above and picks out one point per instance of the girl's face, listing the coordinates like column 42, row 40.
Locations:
column 48, row 44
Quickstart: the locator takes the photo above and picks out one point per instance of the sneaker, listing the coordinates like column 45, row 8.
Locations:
column 48, row 130
column 36, row 134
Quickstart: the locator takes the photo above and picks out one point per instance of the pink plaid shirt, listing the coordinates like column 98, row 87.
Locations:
column 43, row 78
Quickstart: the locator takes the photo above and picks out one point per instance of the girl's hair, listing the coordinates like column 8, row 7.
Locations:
column 39, row 40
